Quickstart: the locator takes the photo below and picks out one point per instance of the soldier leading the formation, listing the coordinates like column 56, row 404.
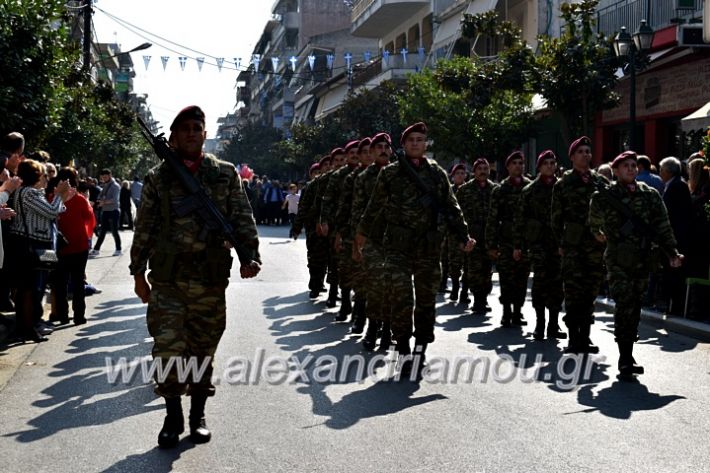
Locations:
column 631, row 219
column 188, row 270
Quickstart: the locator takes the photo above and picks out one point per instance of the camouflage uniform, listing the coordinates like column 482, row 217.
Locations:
column 412, row 242
column 499, row 236
column 305, row 220
column 533, row 235
column 321, row 249
column 187, row 311
column 475, row 204
column 456, row 261
column 628, row 253
column 582, row 261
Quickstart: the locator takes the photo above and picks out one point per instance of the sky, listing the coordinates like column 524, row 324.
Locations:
column 216, row 28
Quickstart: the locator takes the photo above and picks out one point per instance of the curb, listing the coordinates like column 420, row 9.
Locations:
column 691, row 328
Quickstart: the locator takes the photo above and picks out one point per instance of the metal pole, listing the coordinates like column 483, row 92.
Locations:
column 632, row 100
column 87, row 35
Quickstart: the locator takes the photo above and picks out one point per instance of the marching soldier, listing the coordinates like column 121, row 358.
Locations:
column 305, row 219
column 474, row 197
column 534, row 241
column 416, row 204
column 454, row 254
column 630, row 218
column 188, row 273
column 377, row 306
column 582, row 265
column 513, row 273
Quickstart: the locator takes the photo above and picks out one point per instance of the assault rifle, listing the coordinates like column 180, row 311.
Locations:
column 428, row 199
column 197, row 201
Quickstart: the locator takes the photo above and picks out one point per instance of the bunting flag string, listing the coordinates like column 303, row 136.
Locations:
column 385, row 57
column 311, row 62
column 146, row 61
column 348, row 60
column 274, row 63
column 220, row 62
column 164, row 60
column 238, row 62
column 404, row 55
column 183, row 61
column 200, row 62
column 293, row 60
column 330, row 60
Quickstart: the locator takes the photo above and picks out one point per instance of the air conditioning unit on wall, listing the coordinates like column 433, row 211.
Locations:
column 691, row 35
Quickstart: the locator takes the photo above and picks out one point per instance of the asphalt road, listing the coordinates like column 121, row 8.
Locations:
column 60, row 413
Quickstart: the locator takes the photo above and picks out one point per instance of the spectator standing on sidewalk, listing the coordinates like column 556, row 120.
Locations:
column 126, row 211
column 291, row 201
column 136, row 191
column 12, row 147
column 108, row 202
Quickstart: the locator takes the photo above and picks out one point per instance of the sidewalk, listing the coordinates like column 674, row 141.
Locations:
column 692, row 328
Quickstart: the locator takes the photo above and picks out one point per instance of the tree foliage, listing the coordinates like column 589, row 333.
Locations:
column 577, row 71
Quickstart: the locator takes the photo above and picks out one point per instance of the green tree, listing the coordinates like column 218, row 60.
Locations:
column 254, row 144
column 577, row 71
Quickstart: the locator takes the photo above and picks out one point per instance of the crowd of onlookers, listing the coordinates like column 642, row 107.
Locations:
column 270, row 200
column 50, row 215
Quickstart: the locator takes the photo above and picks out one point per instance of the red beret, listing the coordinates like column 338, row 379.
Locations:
column 623, row 157
column 314, row 167
column 351, row 145
column 337, row 151
column 581, row 141
column 547, row 154
column 193, row 112
column 514, row 155
column 457, row 167
column 363, row 142
column 419, row 127
column 381, row 137
column 479, row 162
column 325, row 159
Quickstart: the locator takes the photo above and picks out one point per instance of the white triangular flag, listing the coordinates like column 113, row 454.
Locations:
column 220, row 61
column 164, row 60
column 146, row 61
column 200, row 62
column 183, row 61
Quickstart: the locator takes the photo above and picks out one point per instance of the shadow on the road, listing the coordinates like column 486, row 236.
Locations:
column 155, row 460
column 301, row 329
column 622, row 399
column 83, row 395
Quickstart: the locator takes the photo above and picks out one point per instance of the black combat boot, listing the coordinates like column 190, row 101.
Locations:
column 553, row 327
column 518, row 318
column 358, row 315
column 573, row 330
column 403, row 350
column 332, row 296
column 463, row 297
column 507, row 319
column 346, row 307
column 198, row 427
column 585, row 343
column 479, row 303
column 539, row 332
column 454, row 290
column 385, row 336
column 369, row 341
column 173, row 425
column 627, row 365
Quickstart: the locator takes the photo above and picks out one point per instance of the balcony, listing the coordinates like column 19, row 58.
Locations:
column 629, row 13
column 291, row 20
column 375, row 18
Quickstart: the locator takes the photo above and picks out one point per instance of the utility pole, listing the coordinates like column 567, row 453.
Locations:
column 87, row 35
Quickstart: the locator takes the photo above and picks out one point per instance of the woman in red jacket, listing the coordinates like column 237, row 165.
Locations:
column 76, row 225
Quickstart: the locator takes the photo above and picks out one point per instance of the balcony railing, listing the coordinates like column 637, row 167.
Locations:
column 629, row 13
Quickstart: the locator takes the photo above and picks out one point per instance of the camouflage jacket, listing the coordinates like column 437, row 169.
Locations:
column 398, row 200
column 345, row 205
column 157, row 231
column 532, row 228
column 304, row 217
column 475, row 202
column 505, row 199
column 363, row 189
column 628, row 246
column 570, row 210
column 331, row 196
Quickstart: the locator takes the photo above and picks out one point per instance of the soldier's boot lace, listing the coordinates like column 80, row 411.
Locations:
column 332, row 296
column 518, row 318
column 454, row 296
column 359, row 317
column 198, row 427
column 507, row 315
column 173, row 425
column 385, row 337
column 539, row 332
column 369, row 341
column 553, row 327
column 463, row 297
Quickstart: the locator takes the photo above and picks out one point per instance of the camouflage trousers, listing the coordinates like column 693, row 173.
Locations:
column 358, row 270
column 479, row 271
column 333, row 270
column 422, row 266
column 317, row 251
column 582, row 277
column 547, row 280
column 513, row 276
column 186, row 320
column 627, row 290
column 456, row 259
column 378, row 294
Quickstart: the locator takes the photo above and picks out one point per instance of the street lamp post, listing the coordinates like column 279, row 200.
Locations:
column 631, row 47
